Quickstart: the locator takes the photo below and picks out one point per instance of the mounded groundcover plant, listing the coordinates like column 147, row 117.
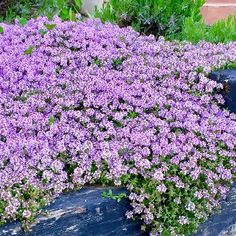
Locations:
column 91, row 103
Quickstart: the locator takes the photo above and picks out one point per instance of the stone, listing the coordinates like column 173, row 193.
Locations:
column 81, row 213
column 222, row 223
column 88, row 6
column 228, row 78
column 86, row 213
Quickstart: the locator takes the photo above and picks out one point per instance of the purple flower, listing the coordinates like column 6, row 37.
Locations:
column 88, row 101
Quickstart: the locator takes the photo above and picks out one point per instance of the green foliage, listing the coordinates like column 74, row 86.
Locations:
column 36, row 199
column 116, row 63
column 229, row 65
column 93, row 167
column 222, row 31
column 29, row 50
column 50, row 26
column 22, row 21
column 161, row 18
column 26, row 9
column 1, row 30
column 42, row 31
column 174, row 19
column 66, row 9
column 97, row 61
column 51, row 120
column 110, row 194
column 132, row 114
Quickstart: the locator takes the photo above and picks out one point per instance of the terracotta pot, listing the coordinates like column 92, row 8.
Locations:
column 214, row 10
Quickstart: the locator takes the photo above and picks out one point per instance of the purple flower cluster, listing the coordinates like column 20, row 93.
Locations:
column 85, row 101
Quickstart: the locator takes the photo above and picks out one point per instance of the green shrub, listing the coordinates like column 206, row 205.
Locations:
column 174, row 19
column 27, row 9
column 4, row 5
column 161, row 18
column 222, row 31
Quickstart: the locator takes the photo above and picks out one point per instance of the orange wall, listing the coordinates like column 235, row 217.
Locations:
column 214, row 10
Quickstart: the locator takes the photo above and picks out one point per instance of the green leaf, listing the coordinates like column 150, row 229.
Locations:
column 104, row 194
column 117, row 124
column 116, row 63
column 125, row 178
column 97, row 62
column 42, row 31
column 29, row 50
column 50, row 26
column 199, row 69
column 22, row 21
column 78, row 3
column 111, row 195
column 93, row 167
column 51, row 120
column 1, row 30
column 71, row 15
column 60, row 3
column 64, row 13
column 132, row 114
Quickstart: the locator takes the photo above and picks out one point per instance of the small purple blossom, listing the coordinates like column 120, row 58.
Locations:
column 183, row 220
column 161, row 188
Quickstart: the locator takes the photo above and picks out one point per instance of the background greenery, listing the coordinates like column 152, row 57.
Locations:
column 158, row 17
column 11, row 9
column 222, row 31
column 173, row 19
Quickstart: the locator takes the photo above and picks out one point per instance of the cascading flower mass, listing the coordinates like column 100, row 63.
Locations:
column 86, row 102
